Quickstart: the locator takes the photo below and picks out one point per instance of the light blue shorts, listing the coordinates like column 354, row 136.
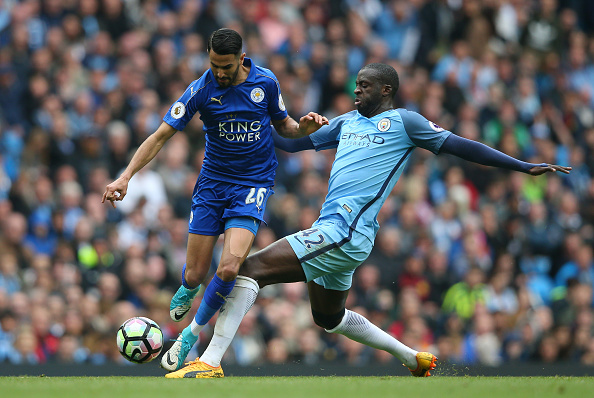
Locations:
column 330, row 252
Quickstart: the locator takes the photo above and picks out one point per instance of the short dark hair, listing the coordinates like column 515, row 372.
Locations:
column 225, row 41
column 385, row 74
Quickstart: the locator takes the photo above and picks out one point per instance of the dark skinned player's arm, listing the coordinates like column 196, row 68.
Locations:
column 466, row 149
column 291, row 145
column 477, row 152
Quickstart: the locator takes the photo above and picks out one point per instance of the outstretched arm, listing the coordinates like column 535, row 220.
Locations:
column 292, row 145
column 324, row 137
column 477, row 152
column 308, row 124
column 144, row 154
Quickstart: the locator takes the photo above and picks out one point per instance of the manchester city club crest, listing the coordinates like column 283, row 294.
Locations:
column 436, row 127
column 384, row 124
column 257, row 95
column 178, row 110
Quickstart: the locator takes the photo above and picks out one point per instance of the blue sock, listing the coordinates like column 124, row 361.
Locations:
column 184, row 282
column 214, row 297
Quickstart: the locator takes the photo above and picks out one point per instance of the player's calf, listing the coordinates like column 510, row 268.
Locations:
column 328, row 322
column 357, row 327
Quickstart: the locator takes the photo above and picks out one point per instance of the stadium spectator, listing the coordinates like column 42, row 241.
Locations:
column 463, row 297
column 82, row 84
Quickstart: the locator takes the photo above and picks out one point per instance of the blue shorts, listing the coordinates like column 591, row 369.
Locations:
column 219, row 205
column 330, row 252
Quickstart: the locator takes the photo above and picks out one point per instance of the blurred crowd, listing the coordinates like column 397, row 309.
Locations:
column 478, row 265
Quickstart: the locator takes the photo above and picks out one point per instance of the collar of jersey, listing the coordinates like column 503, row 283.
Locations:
column 251, row 76
column 379, row 115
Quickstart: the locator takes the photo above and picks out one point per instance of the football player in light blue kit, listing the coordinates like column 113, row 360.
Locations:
column 373, row 145
column 237, row 102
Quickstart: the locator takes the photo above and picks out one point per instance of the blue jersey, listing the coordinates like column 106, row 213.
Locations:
column 239, row 147
column 371, row 154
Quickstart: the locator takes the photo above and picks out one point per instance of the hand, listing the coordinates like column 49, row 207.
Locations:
column 311, row 122
column 548, row 168
column 115, row 191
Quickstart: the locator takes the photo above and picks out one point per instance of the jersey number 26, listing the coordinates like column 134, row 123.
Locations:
column 259, row 196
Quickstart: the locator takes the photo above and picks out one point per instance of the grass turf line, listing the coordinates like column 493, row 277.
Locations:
column 297, row 387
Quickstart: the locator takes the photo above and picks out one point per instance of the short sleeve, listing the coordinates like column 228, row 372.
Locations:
column 183, row 110
column 276, row 106
column 422, row 132
column 328, row 136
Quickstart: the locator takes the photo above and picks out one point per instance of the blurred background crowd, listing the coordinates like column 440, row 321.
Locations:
column 478, row 265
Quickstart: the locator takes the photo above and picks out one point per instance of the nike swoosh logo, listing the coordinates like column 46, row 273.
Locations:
column 169, row 361
column 180, row 316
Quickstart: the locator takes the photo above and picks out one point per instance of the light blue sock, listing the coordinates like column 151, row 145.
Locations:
column 214, row 296
column 189, row 336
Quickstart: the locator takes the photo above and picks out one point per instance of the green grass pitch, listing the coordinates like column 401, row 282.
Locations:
column 293, row 387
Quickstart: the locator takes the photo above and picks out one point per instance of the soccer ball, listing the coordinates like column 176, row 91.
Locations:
column 140, row 339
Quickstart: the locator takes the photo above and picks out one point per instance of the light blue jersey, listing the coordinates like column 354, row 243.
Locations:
column 371, row 155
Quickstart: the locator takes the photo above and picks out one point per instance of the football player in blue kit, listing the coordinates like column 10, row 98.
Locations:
column 237, row 101
column 373, row 145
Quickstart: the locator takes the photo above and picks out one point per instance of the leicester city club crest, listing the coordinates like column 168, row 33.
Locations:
column 384, row 124
column 257, row 95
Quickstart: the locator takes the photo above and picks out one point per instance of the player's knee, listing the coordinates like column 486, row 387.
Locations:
column 228, row 270
column 326, row 321
column 195, row 275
